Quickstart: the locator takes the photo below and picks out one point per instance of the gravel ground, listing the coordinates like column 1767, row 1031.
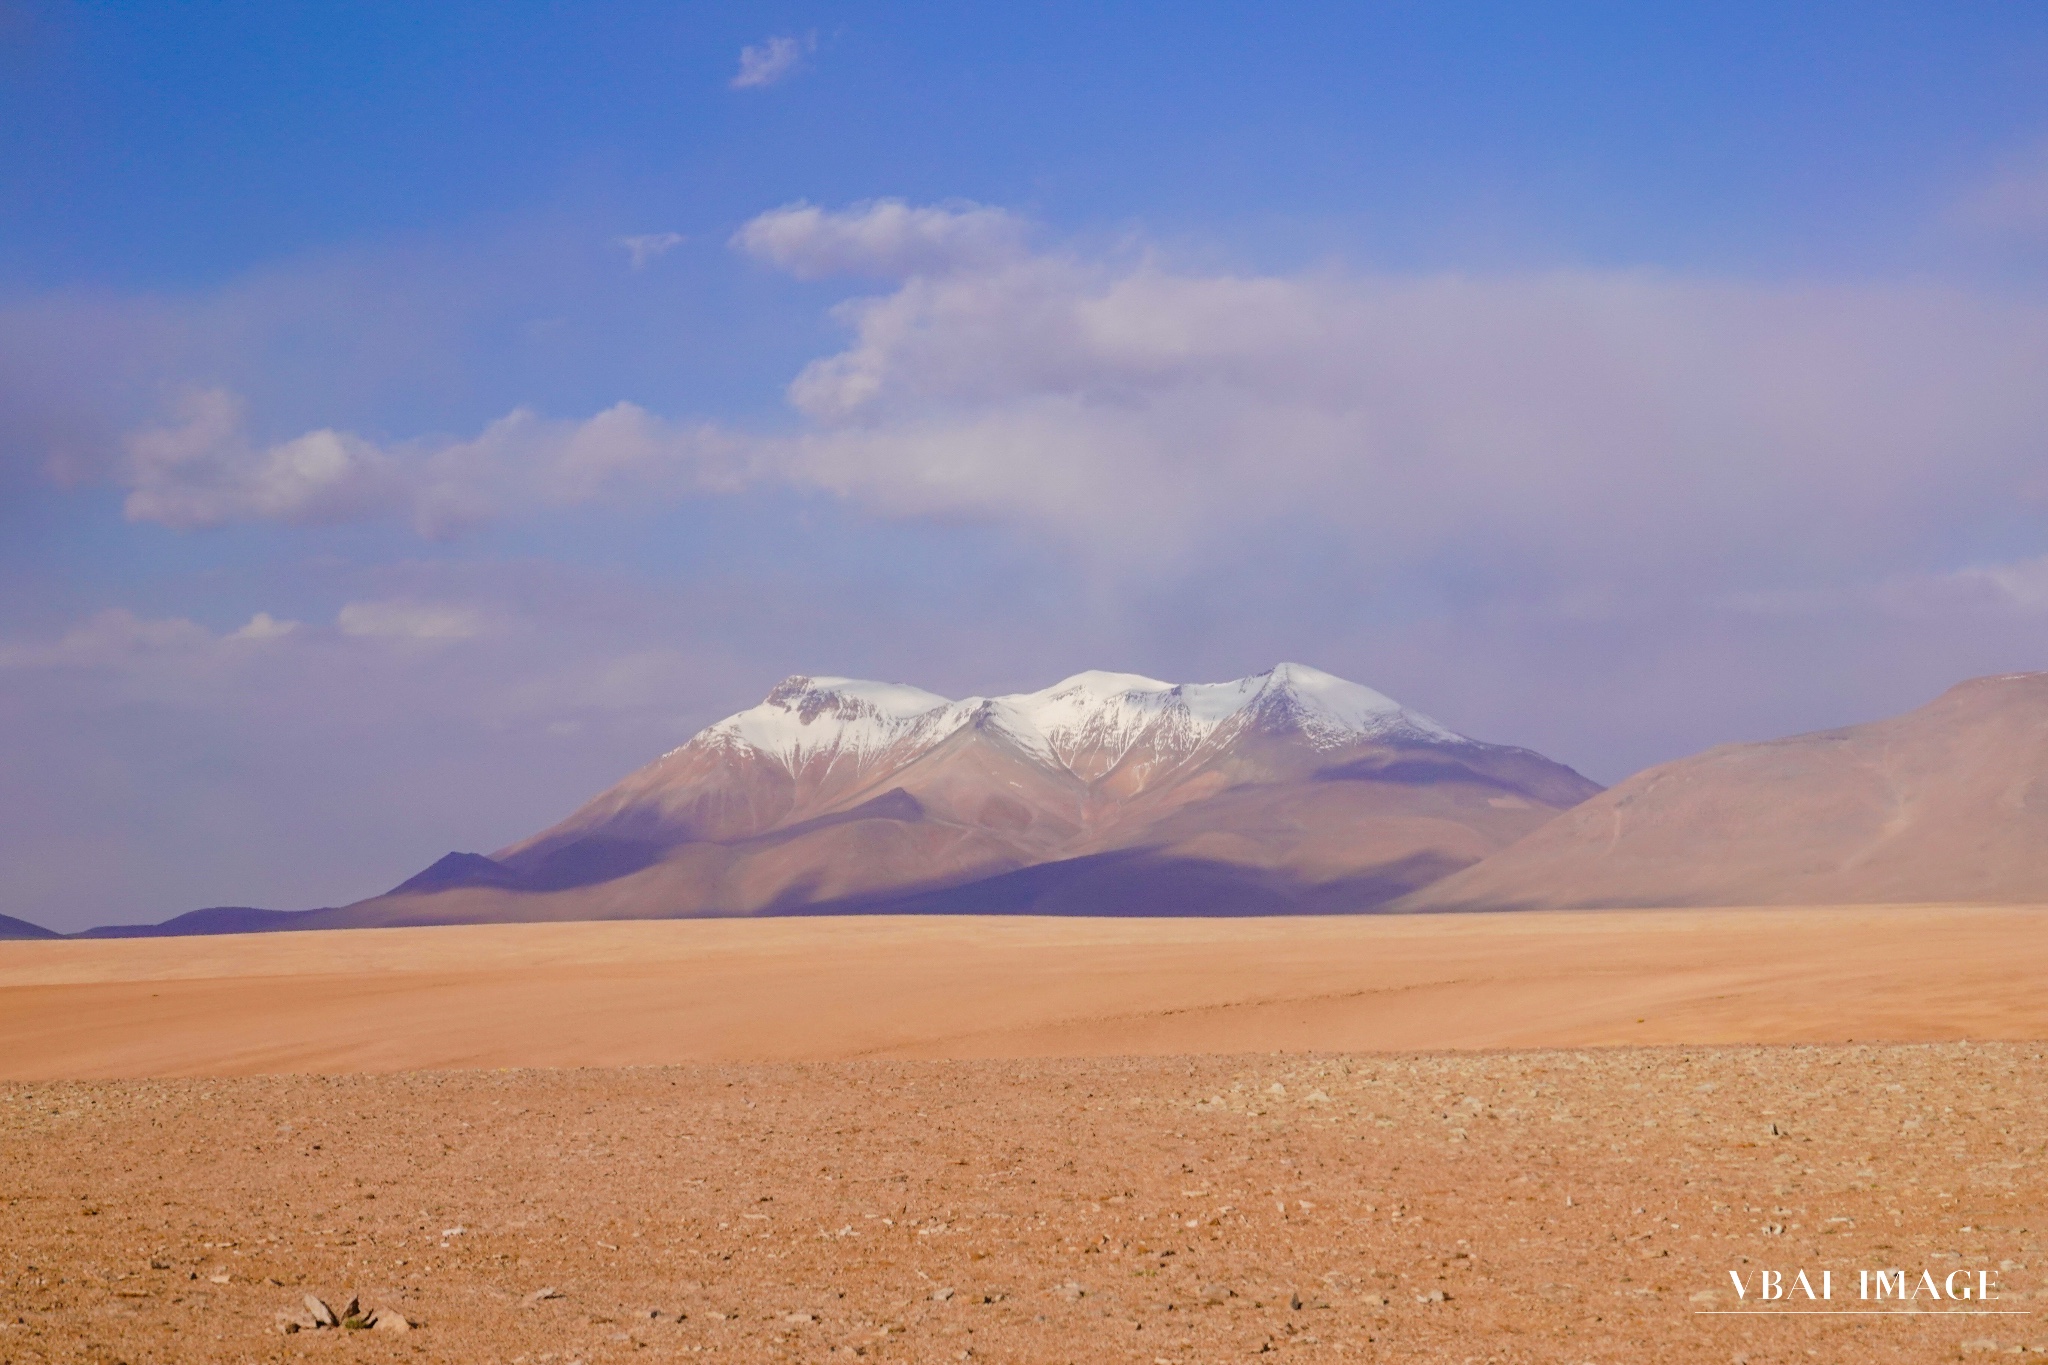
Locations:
column 1522, row 1206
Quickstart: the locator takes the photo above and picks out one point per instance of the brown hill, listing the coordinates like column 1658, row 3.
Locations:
column 1945, row 803
column 1104, row 794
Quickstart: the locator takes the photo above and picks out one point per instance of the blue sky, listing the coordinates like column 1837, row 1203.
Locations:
column 414, row 417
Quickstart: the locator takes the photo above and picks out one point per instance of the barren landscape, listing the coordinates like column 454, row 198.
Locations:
column 1544, row 1137
column 656, row 992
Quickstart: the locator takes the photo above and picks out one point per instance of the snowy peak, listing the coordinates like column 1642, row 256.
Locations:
column 1332, row 711
column 1086, row 724
column 804, row 719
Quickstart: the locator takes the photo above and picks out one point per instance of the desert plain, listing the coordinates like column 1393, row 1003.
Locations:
column 1518, row 1137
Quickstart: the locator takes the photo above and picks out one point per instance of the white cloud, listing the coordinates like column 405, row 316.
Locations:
column 2020, row 586
column 117, row 638
column 264, row 626
column 882, row 237
column 408, row 620
column 767, row 63
column 650, row 246
column 1629, row 419
column 1573, row 428
column 202, row 471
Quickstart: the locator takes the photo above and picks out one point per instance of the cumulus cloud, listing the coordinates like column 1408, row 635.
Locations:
column 2020, row 586
column 883, row 237
column 650, row 246
column 407, row 620
column 767, row 63
column 1630, row 421
column 201, row 470
column 118, row 638
column 1589, row 434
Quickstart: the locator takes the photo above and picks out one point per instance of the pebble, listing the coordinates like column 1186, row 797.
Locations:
column 323, row 1316
column 539, row 1295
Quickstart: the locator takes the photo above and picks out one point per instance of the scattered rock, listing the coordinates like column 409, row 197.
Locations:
column 942, row 1295
column 323, row 1316
column 219, row 1277
column 1217, row 1293
column 1294, row 1302
column 799, row 1317
column 1070, row 1290
column 384, row 1320
column 1981, row 1346
column 1433, row 1296
column 540, row 1295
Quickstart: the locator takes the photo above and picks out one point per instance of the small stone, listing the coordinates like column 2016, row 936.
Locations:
column 1294, row 1302
column 799, row 1317
column 1433, row 1296
column 323, row 1316
column 1216, row 1293
column 942, row 1295
column 1981, row 1346
column 219, row 1277
column 387, row 1321
column 540, row 1295
column 1070, row 1290
column 354, row 1309
column 287, row 1324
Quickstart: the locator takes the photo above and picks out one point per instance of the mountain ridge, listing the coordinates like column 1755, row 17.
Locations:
column 1128, row 795
column 1947, row 802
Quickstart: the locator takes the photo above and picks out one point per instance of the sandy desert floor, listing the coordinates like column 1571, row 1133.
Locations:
column 1400, row 1141
column 636, row 993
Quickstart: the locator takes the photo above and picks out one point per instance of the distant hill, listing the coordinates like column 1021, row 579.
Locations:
column 219, row 919
column 1948, row 803
column 10, row 927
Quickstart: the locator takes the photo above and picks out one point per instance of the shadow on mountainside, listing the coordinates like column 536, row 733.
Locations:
column 1128, row 883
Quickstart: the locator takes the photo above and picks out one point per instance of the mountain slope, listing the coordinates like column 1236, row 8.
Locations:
column 1945, row 803
column 1105, row 793
column 10, row 927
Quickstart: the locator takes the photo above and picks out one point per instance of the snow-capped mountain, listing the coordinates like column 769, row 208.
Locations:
column 1104, row 793
column 1085, row 725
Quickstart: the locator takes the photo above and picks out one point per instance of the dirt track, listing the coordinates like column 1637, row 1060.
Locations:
column 817, row 989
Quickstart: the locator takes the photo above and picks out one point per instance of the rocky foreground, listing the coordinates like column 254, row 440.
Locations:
column 1528, row 1206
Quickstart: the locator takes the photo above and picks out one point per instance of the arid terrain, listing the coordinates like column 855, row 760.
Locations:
column 656, row 992
column 1525, row 1206
column 1545, row 1137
